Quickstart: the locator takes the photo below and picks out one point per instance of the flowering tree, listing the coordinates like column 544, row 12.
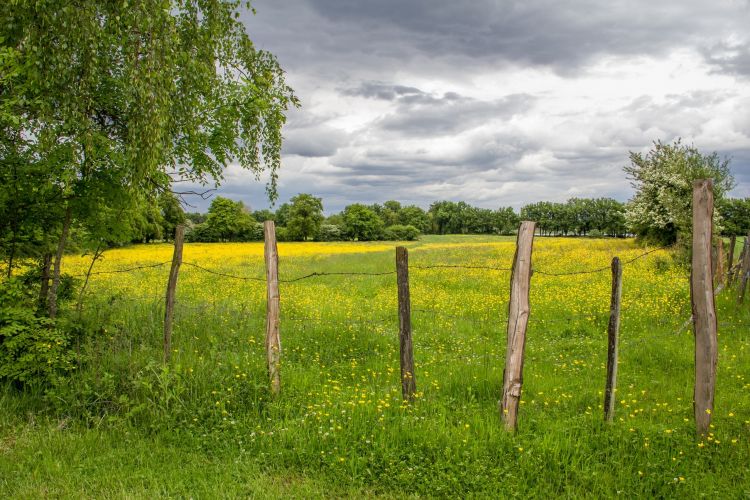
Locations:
column 661, row 210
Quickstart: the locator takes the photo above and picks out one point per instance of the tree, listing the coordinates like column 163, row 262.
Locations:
column 735, row 216
column 661, row 210
column 228, row 220
column 264, row 215
column 305, row 217
column 172, row 214
column 413, row 215
column 506, row 220
column 283, row 213
column 119, row 99
column 362, row 223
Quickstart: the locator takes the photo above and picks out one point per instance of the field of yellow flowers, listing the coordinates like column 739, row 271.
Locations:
column 340, row 428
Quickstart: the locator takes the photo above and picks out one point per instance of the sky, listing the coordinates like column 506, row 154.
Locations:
column 495, row 102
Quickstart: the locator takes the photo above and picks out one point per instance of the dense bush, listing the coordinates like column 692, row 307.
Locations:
column 33, row 351
column 330, row 232
column 397, row 232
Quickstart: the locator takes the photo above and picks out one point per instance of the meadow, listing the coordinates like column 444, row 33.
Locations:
column 206, row 425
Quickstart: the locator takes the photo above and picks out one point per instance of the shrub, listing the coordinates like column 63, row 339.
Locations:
column 33, row 351
column 398, row 232
column 329, row 232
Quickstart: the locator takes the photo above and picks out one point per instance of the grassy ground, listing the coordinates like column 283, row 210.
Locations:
column 206, row 426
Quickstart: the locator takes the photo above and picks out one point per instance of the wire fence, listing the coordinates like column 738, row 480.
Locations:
column 492, row 319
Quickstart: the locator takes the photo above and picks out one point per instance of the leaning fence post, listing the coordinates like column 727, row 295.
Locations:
column 273, row 340
column 702, row 298
column 744, row 270
column 613, row 334
column 732, row 243
column 179, row 239
column 408, row 382
column 518, row 318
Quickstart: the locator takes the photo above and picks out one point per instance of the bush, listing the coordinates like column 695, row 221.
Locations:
column 401, row 233
column 329, row 232
column 33, row 351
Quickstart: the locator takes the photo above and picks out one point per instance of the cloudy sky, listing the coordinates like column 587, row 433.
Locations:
column 498, row 102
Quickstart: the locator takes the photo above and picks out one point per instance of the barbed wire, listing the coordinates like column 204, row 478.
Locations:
column 224, row 275
column 601, row 269
column 459, row 266
column 358, row 273
column 126, row 270
column 323, row 273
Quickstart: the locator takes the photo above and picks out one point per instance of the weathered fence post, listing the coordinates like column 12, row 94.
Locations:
column 408, row 382
column 732, row 243
column 744, row 270
column 613, row 334
column 704, row 311
column 273, row 299
column 719, row 272
column 179, row 239
column 518, row 318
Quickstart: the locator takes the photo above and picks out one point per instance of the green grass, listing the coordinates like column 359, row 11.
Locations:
column 205, row 427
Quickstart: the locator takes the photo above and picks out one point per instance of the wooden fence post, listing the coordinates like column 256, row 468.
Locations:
column 613, row 337
column 719, row 273
column 518, row 318
column 704, row 311
column 408, row 381
column 179, row 239
column 744, row 270
column 273, row 304
column 730, row 264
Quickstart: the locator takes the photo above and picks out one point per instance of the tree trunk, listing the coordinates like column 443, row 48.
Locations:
column 52, row 297
column 44, row 286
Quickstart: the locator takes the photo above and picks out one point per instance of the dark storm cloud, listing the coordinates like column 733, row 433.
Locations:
column 381, row 90
column 552, row 33
column 312, row 142
column 392, row 108
column 420, row 114
column 729, row 58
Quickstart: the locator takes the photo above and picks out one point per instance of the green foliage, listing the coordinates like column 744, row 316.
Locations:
column 362, row 223
column 399, row 232
column 33, row 350
column 264, row 215
column 735, row 216
column 283, row 214
column 413, row 215
column 172, row 214
column 578, row 216
column 305, row 217
column 329, row 232
column 661, row 210
column 103, row 105
column 227, row 220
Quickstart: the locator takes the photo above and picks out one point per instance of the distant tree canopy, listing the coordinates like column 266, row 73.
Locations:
column 578, row 216
column 227, row 220
column 301, row 218
column 661, row 210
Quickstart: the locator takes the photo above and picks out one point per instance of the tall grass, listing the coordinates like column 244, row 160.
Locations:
column 340, row 428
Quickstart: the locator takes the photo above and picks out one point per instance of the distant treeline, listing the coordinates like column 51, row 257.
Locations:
column 301, row 218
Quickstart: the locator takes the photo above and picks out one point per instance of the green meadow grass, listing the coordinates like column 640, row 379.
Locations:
column 206, row 426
